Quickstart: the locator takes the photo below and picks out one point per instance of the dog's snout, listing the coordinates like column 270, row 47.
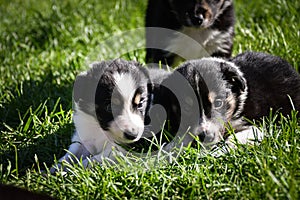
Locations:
column 198, row 19
column 202, row 136
column 129, row 135
column 206, row 137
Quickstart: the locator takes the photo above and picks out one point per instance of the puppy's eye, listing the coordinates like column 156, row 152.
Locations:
column 141, row 103
column 138, row 101
column 218, row 103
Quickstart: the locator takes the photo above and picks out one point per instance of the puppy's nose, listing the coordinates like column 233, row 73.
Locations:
column 206, row 137
column 129, row 135
column 202, row 136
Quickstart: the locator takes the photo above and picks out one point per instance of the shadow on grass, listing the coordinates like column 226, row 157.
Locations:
column 30, row 94
column 44, row 149
column 37, row 121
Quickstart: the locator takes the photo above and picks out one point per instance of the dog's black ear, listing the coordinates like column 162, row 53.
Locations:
column 85, row 85
column 234, row 77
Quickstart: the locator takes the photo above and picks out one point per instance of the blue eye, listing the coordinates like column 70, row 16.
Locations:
column 218, row 103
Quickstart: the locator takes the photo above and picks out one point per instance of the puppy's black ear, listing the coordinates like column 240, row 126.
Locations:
column 85, row 85
column 234, row 77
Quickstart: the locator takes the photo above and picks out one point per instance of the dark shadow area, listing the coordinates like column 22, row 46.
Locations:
column 31, row 94
column 42, row 97
column 13, row 192
column 45, row 149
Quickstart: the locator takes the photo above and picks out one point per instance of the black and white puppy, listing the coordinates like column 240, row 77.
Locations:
column 111, row 101
column 221, row 92
column 200, row 98
column 188, row 29
column 246, row 88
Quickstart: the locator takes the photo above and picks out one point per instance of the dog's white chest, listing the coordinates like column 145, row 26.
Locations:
column 89, row 133
column 192, row 43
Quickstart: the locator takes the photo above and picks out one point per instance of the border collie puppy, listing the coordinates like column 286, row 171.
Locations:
column 221, row 92
column 111, row 101
column 188, row 29
column 246, row 88
column 200, row 98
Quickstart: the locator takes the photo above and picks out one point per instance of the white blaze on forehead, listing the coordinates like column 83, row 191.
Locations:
column 127, row 120
column 125, row 84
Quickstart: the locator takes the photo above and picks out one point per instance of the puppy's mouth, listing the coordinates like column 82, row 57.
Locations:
column 123, row 136
column 211, row 137
column 129, row 136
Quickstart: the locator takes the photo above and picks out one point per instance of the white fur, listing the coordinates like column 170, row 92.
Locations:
column 250, row 135
column 89, row 141
column 127, row 120
column 89, row 132
column 125, row 84
column 191, row 42
column 226, row 4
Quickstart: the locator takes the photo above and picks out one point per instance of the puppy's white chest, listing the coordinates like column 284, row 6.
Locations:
column 191, row 43
column 89, row 133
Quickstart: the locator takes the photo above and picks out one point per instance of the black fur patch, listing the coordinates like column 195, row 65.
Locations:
column 270, row 81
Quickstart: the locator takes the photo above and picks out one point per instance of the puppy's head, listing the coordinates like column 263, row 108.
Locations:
column 121, row 101
column 118, row 91
column 221, row 91
column 199, row 13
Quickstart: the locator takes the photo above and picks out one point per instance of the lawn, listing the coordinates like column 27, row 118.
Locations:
column 45, row 44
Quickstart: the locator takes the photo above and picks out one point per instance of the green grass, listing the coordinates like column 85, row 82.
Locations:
column 45, row 44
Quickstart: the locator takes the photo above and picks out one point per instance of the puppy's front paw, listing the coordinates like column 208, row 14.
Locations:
column 251, row 135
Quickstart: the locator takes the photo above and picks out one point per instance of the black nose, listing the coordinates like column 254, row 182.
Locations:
column 198, row 19
column 202, row 136
column 129, row 136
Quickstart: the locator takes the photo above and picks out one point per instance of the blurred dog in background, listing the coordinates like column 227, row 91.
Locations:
column 197, row 28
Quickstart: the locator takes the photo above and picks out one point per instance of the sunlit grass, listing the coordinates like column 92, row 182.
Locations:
column 44, row 45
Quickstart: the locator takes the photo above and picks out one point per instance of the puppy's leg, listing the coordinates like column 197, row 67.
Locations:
column 109, row 154
column 250, row 135
column 247, row 136
column 76, row 151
